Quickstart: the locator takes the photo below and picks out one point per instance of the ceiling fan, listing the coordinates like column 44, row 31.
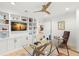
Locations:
column 44, row 8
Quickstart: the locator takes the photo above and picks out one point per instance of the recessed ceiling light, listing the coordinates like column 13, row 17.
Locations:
column 67, row 9
column 12, row 3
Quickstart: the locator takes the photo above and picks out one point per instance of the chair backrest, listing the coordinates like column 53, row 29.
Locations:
column 66, row 36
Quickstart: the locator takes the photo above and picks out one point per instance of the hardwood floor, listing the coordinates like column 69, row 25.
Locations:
column 63, row 52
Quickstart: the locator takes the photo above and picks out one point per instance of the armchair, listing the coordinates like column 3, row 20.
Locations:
column 65, row 40
column 63, row 43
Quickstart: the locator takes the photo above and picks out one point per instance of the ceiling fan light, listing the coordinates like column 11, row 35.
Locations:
column 12, row 3
column 67, row 9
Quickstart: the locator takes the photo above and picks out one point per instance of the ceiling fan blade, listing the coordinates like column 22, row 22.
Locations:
column 48, row 4
column 38, row 11
column 47, row 12
column 44, row 9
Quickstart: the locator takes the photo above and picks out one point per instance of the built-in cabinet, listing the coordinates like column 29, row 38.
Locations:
column 12, row 40
column 32, row 29
column 4, row 25
column 11, row 44
column 3, row 45
column 17, row 42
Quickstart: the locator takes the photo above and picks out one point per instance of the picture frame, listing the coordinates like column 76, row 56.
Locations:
column 41, row 28
column 24, row 19
column 4, row 32
column 61, row 25
column 30, row 24
column 30, row 28
column 30, row 19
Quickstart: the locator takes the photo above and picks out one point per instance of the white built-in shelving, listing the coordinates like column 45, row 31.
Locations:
column 32, row 29
column 4, row 24
column 10, row 40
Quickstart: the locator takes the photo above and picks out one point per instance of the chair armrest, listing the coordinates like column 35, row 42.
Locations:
column 36, row 43
column 58, row 37
column 57, row 40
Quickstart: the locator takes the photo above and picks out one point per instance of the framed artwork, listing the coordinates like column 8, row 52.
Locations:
column 41, row 28
column 30, row 28
column 30, row 24
column 34, row 32
column 34, row 28
column 21, row 26
column 61, row 25
column 4, row 31
column 30, row 19
column 24, row 18
column 4, row 21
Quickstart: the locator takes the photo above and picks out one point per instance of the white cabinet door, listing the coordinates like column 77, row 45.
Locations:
column 18, row 42
column 24, row 41
column 11, row 44
column 14, row 43
column 21, row 41
column 30, row 39
column 3, row 46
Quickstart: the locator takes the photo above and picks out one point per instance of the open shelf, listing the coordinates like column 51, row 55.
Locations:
column 4, row 24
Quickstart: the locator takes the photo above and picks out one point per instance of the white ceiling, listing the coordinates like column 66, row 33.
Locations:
column 56, row 8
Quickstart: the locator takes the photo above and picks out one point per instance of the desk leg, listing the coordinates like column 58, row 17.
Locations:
column 57, row 50
column 67, row 50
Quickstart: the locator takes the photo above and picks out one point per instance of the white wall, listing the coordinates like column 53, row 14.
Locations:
column 77, row 28
column 21, row 38
column 46, row 28
column 70, row 24
column 70, row 21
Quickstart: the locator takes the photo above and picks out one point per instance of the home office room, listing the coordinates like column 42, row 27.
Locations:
column 39, row 28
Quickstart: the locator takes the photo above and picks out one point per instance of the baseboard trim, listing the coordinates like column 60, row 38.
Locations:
column 74, row 50
column 8, row 52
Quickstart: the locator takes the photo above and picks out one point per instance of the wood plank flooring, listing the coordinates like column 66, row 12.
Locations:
column 63, row 52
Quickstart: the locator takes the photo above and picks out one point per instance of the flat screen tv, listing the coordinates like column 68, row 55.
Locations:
column 18, row 26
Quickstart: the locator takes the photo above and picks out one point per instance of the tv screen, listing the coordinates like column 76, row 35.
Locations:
column 18, row 26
